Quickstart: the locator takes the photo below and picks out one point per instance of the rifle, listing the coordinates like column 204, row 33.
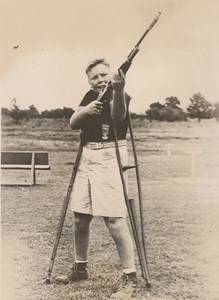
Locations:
column 127, row 63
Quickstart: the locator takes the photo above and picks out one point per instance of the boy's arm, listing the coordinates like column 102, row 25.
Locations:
column 83, row 112
column 79, row 116
column 118, row 105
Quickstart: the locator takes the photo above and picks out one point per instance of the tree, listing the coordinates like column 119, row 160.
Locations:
column 33, row 112
column 172, row 102
column 5, row 111
column 216, row 111
column 140, row 116
column 67, row 112
column 200, row 108
column 53, row 113
column 15, row 112
column 153, row 113
column 58, row 113
column 169, row 112
column 172, row 112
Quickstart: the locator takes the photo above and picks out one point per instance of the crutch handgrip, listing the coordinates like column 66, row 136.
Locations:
column 127, row 167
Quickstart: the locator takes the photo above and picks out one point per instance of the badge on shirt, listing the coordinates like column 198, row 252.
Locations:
column 105, row 132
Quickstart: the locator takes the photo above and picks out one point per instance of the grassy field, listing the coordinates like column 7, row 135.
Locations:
column 180, row 214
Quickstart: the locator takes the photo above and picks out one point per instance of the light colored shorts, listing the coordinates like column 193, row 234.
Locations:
column 98, row 187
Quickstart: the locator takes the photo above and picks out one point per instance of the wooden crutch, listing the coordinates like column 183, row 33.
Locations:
column 138, row 236
column 63, row 214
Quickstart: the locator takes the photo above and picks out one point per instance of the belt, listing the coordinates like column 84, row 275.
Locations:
column 101, row 145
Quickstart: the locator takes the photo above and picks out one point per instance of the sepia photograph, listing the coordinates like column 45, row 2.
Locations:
column 109, row 149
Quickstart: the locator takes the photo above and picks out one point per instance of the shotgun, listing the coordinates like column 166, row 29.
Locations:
column 127, row 63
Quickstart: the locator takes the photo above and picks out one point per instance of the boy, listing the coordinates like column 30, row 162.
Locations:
column 98, row 189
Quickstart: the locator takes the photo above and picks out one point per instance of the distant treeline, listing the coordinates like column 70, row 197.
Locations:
column 32, row 112
column 170, row 111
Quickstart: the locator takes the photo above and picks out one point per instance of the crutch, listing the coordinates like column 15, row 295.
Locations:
column 138, row 237
column 63, row 214
column 142, row 236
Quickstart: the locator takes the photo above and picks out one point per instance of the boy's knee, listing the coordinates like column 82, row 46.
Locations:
column 82, row 220
column 114, row 223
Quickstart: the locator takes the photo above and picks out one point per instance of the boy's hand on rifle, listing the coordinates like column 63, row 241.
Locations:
column 118, row 81
column 94, row 108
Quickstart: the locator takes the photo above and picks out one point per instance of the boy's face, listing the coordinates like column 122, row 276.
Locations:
column 98, row 77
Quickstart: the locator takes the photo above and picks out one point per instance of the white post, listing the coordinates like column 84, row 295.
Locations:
column 33, row 171
column 192, row 164
column 168, row 150
column 194, row 154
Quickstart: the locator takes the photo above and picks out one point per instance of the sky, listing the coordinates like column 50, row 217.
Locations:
column 57, row 38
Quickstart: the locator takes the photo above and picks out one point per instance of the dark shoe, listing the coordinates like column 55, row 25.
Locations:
column 128, row 287
column 78, row 272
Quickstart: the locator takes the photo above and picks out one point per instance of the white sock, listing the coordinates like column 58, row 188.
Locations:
column 80, row 261
column 129, row 270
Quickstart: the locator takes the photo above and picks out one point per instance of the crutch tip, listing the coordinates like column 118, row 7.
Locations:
column 47, row 280
column 148, row 286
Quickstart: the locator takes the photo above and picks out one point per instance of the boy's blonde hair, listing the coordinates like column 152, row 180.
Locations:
column 96, row 62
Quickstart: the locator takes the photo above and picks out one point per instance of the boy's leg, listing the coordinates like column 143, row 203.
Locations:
column 82, row 236
column 119, row 231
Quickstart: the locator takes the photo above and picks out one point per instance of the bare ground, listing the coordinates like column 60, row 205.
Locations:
column 181, row 224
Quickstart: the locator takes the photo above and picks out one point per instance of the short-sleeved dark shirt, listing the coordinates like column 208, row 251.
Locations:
column 92, row 130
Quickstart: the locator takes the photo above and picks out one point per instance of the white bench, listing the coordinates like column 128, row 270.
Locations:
column 25, row 160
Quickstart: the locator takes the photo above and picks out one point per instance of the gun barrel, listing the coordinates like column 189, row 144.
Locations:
column 126, row 65
column 148, row 29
